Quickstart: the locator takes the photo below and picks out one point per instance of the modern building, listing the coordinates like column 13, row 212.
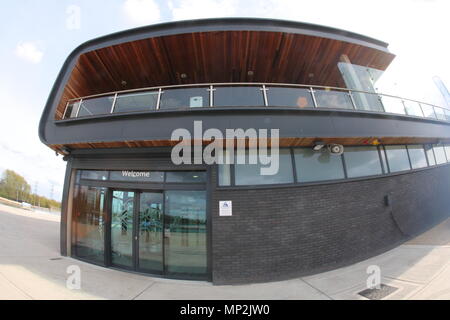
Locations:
column 127, row 205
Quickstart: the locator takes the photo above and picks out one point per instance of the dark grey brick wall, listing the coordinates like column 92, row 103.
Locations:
column 281, row 233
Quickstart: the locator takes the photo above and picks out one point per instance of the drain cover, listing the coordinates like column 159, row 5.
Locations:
column 377, row 294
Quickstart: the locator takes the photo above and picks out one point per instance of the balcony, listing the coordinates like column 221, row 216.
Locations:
column 235, row 95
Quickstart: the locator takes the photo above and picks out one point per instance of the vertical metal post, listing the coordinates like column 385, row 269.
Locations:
column 79, row 107
column 264, row 90
column 421, row 110
column 211, row 96
column 114, row 103
column 158, row 101
column 311, row 90
column 404, row 107
column 351, row 99
column 65, row 110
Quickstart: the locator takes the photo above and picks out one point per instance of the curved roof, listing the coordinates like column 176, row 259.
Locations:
column 207, row 51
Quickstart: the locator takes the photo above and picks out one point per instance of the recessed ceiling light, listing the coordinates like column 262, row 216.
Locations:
column 124, row 83
column 250, row 73
column 183, row 76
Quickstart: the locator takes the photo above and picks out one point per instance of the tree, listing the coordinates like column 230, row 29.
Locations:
column 13, row 186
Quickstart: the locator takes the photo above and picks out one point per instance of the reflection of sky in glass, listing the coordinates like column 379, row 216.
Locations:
column 362, row 161
column 397, row 158
column 417, row 156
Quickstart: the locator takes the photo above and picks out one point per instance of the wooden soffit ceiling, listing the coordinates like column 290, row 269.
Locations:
column 217, row 56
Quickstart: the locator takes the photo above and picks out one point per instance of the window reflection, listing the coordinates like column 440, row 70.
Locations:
column 96, row 106
column 246, row 96
column 333, row 99
column 417, row 156
column 397, row 158
column 289, row 97
column 134, row 102
column 184, row 98
column 317, row 165
column 362, row 161
column 88, row 223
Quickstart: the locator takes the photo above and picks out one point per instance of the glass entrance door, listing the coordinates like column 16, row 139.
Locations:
column 150, row 245
column 122, row 221
column 159, row 233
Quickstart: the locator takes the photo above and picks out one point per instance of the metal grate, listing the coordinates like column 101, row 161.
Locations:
column 377, row 294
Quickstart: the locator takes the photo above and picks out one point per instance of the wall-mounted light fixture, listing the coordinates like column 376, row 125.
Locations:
column 318, row 145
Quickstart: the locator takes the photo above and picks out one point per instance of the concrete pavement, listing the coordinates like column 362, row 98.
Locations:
column 31, row 268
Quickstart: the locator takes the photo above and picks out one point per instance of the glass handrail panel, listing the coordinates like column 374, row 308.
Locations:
column 71, row 110
column 238, row 96
column 367, row 101
column 439, row 113
column 447, row 114
column 181, row 98
column 428, row 111
column 393, row 105
column 413, row 108
column 333, row 99
column 135, row 102
column 289, row 97
column 96, row 106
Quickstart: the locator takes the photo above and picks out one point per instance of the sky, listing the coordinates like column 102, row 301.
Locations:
column 37, row 36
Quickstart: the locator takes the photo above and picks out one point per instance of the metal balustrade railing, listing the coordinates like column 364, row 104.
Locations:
column 247, row 95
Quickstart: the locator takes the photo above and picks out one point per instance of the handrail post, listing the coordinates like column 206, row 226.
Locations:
column 311, row 90
column 65, row 110
column 211, row 95
column 114, row 103
column 264, row 90
column 421, row 109
column 158, row 101
column 404, row 106
column 79, row 107
column 381, row 102
column 350, row 94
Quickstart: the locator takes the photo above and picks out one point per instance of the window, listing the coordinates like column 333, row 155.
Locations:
column 333, row 99
column 184, row 98
column 317, row 165
column 397, row 157
column 289, row 97
column 186, row 176
column 250, row 174
column 430, row 155
column 447, row 152
column 134, row 102
column 362, row 161
column 440, row 154
column 88, row 223
column 96, row 106
column 94, row 175
column 417, row 156
column 238, row 96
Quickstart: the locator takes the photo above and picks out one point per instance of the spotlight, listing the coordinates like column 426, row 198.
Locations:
column 318, row 145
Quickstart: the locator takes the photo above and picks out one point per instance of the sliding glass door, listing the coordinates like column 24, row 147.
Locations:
column 159, row 233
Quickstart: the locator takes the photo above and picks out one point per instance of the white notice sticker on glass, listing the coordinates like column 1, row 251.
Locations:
column 225, row 208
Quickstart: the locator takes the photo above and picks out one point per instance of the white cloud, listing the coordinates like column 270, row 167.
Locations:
column 142, row 12
column 197, row 9
column 29, row 52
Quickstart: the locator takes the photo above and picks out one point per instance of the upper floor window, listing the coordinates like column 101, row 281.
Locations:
column 397, row 157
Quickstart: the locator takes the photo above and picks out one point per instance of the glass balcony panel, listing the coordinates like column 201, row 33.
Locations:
column 135, row 102
column 184, row 98
column 289, row 97
column 393, row 105
column 367, row 101
column 428, row 111
column 96, row 106
column 243, row 96
column 439, row 113
column 447, row 114
column 72, row 109
column 413, row 108
column 333, row 99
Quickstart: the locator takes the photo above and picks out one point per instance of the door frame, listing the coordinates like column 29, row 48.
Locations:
column 135, row 234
